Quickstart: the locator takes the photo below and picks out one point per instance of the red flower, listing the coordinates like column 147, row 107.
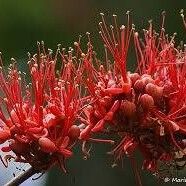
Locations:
column 146, row 109
column 39, row 119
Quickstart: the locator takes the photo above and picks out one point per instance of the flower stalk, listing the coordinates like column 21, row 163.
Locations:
column 22, row 177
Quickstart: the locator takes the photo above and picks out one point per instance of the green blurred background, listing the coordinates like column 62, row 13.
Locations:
column 24, row 22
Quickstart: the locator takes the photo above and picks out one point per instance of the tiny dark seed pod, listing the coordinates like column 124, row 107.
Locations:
column 146, row 101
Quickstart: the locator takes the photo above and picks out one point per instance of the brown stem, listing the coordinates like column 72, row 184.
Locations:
column 22, row 177
column 136, row 171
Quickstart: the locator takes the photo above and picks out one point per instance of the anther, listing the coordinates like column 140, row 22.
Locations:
column 83, row 55
column 76, row 44
column 133, row 26
column 128, row 12
column 59, row 45
column 150, row 21
column 100, row 23
column 163, row 13
column 12, row 59
column 182, row 13
column 122, row 27
column 136, row 34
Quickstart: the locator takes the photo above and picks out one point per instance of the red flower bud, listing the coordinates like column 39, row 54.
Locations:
column 47, row 145
column 74, row 132
column 146, row 101
column 128, row 108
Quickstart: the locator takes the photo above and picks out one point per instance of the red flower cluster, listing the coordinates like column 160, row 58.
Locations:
column 144, row 110
column 38, row 119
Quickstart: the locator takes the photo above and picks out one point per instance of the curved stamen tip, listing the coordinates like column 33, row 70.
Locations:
column 50, row 51
column 87, row 33
column 82, row 55
column 163, row 29
column 28, row 53
column 77, row 86
column 114, row 165
column 12, row 59
column 122, row 27
column 102, row 14
column 181, row 11
column 136, row 34
column 114, row 15
column 133, row 26
column 76, row 44
column 70, row 50
column 127, row 12
column 163, row 13
column 59, row 45
column 150, row 21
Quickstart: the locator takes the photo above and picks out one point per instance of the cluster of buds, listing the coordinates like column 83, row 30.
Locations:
column 143, row 110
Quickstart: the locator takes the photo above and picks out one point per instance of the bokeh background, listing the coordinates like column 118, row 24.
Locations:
column 23, row 23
